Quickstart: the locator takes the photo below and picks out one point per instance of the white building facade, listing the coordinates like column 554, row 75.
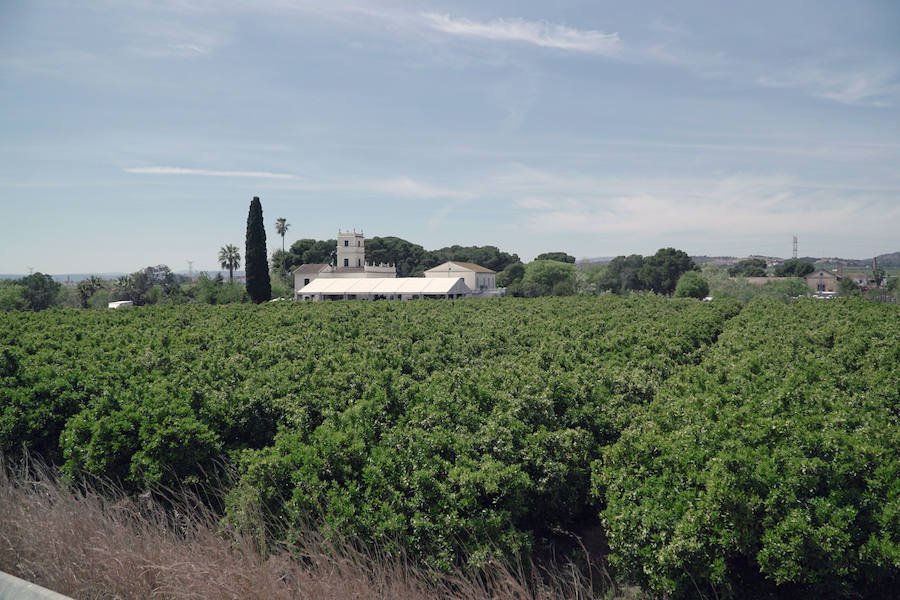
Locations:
column 351, row 249
column 353, row 279
column 479, row 279
column 351, row 264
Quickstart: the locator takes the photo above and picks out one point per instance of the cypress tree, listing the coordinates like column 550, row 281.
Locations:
column 256, row 261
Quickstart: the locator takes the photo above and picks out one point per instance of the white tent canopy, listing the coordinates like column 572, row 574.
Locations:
column 404, row 288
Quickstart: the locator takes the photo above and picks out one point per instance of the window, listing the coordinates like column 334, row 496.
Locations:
column 346, row 242
column 358, row 244
column 358, row 262
column 346, row 262
column 306, row 281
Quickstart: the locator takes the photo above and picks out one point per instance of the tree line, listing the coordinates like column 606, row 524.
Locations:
column 550, row 274
column 411, row 260
column 150, row 285
column 757, row 267
column 668, row 272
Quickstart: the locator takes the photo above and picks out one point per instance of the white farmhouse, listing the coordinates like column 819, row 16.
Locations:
column 477, row 278
column 352, row 279
column 351, row 263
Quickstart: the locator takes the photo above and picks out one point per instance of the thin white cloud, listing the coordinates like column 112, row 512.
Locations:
column 399, row 186
column 539, row 33
column 856, row 86
column 551, row 202
column 207, row 172
column 167, row 38
column 407, row 187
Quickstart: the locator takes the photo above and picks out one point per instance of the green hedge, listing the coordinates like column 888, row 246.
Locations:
column 773, row 466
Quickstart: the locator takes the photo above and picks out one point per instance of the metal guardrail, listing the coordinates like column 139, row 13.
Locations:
column 13, row 588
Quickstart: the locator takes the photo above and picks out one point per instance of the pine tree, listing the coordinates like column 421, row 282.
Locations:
column 255, row 258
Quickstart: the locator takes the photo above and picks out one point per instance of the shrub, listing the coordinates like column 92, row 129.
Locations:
column 691, row 285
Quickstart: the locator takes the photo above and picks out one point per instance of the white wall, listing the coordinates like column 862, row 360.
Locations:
column 474, row 280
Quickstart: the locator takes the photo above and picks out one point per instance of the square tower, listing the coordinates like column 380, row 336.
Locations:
column 351, row 249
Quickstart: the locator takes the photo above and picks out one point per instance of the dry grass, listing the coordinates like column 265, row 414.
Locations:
column 88, row 544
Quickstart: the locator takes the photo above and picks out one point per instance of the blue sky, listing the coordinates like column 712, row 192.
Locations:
column 135, row 132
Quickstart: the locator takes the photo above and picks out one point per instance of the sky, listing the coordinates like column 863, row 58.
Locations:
column 136, row 132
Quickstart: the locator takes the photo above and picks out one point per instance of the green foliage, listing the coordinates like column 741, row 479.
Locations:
column 723, row 286
column 216, row 291
column 785, row 289
column 621, row 275
column 100, row 299
column 457, row 428
column 752, row 267
column 39, row 291
column 489, row 257
column 281, row 227
column 513, row 273
column 546, row 277
column 256, row 264
column 281, row 258
column 558, row 256
column 282, row 288
column 659, row 273
column 794, row 268
column 744, row 453
column 67, row 297
column 770, row 468
column 12, row 296
column 280, row 263
column 87, row 288
column 147, row 286
column 230, row 258
column 848, row 287
column 410, row 259
column 308, row 251
column 691, row 285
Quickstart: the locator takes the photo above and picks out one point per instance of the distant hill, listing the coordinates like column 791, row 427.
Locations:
column 716, row 260
column 597, row 260
column 891, row 260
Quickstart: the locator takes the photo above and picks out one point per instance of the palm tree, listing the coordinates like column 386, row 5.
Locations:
column 281, row 226
column 87, row 288
column 230, row 258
